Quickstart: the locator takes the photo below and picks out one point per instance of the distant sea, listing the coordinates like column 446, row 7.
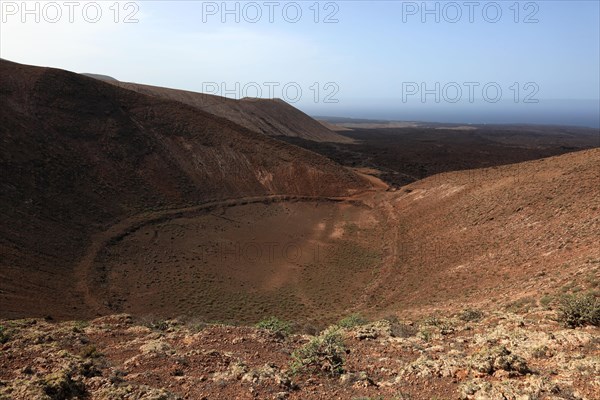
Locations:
column 585, row 113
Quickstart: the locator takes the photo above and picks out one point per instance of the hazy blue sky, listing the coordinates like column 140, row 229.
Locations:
column 373, row 56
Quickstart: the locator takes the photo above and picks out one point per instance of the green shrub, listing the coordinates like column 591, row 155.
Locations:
column 275, row 325
column 60, row 385
column 400, row 329
column 425, row 334
column 579, row 310
column 522, row 305
column 79, row 326
column 4, row 335
column 444, row 325
column 158, row 325
column 324, row 353
column 433, row 320
column 546, row 300
column 540, row 352
column 352, row 320
column 90, row 352
column 471, row 315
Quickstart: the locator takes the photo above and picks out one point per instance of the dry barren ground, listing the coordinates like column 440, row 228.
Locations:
column 489, row 356
column 505, row 236
column 302, row 259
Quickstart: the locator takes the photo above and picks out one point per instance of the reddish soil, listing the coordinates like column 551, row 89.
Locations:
column 243, row 263
column 79, row 155
column 442, row 357
column 92, row 206
column 494, row 235
column 114, row 201
column 415, row 250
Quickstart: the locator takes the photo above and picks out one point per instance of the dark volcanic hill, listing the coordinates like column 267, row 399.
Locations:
column 78, row 154
column 105, row 78
column 273, row 117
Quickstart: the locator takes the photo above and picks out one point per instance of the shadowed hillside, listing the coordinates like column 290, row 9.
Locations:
column 79, row 154
column 273, row 117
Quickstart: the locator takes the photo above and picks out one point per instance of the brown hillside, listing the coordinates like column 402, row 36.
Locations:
column 493, row 236
column 174, row 224
column 79, row 154
column 490, row 237
column 273, row 117
column 104, row 199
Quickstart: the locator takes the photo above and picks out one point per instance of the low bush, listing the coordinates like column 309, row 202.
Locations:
column 579, row 310
column 546, row 300
column 352, row 320
column 158, row 325
column 324, row 354
column 4, row 335
column 400, row 329
column 471, row 315
column 90, row 352
column 522, row 305
column 275, row 325
column 60, row 385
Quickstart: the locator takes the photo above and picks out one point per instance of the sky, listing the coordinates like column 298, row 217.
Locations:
column 464, row 61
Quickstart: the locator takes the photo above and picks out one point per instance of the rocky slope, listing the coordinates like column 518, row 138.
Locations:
column 514, row 233
column 79, row 154
column 469, row 355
